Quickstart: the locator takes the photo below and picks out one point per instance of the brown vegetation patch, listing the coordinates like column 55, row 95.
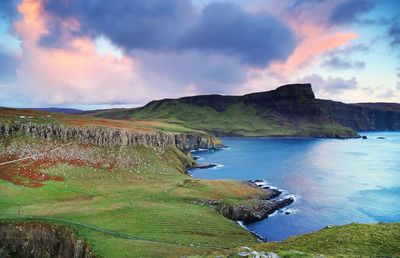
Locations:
column 81, row 121
column 27, row 172
column 21, row 112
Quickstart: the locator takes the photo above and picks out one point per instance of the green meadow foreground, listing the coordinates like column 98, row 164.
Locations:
column 150, row 201
column 141, row 192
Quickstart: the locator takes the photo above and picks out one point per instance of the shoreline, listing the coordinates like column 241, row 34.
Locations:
column 268, row 203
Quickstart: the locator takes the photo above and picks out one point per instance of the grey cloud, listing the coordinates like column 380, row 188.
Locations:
column 394, row 34
column 338, row 63
column 332, row 85
column 255, row 38
column 208, row 73
column 152, row 24
column 159, row 25
column 340, row 58
column 349, row 11
column 8, row 9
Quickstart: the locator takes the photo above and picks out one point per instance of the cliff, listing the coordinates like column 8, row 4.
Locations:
column 363, row 117
column 40, row 240
column 288, row 111
column 255, row 212
column 103, row 136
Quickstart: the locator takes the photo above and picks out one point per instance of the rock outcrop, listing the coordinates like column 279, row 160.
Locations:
column 361, row 118
column 102, row 136
column 33, row 240
column 254, row 212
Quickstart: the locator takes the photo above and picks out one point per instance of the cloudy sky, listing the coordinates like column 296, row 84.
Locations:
column 90, row 54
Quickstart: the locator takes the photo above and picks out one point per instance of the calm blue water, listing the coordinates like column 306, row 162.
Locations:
column 339, row 181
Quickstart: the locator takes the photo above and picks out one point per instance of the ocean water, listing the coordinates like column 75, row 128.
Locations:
column 337, row 181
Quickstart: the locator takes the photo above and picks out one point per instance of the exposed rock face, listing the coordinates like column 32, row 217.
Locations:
column 361, row 118
column 293, row 100
column 254, row 212
column 112, row 137
column 40, row 240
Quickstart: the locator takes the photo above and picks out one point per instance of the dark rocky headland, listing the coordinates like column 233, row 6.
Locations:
column 37, row 239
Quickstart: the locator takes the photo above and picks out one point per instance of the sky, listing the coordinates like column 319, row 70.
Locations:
column 92, row 54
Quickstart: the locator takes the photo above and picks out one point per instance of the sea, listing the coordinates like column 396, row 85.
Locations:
column 335, row 181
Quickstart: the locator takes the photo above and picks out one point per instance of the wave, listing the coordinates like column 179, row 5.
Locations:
column 294, row 196
column 263, row 184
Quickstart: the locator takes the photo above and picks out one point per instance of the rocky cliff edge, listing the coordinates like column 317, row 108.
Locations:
column 103, row 136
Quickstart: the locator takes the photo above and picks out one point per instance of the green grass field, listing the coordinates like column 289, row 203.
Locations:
column 352, row 240
column 149, row 201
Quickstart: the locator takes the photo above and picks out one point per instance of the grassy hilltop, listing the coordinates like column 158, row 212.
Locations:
column 288, row 111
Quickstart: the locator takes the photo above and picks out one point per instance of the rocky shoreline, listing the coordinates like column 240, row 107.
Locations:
column 263, row 205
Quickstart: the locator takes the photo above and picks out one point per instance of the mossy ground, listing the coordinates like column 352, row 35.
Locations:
column 150, row 201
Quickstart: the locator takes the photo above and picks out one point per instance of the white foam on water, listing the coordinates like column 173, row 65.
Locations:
column 294, row 196
column 263, row 184
column 217, row 166
column 289, row 210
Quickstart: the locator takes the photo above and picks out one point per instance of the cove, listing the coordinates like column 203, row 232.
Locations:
column 337, row 181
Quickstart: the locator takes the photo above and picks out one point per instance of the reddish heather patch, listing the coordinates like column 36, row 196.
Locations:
column 27, row 172
column 22, row 112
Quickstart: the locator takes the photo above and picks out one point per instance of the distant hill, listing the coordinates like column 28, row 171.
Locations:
column 288, row 111
column 58, row 110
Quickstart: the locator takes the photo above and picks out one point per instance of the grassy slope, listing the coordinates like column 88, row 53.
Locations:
column 236, row 120
column 149, row 201
column 8, row 115
column 352, row 240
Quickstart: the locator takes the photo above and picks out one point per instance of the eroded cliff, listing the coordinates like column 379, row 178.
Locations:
column 369, row 117
column 35, row 239
column 103, row 136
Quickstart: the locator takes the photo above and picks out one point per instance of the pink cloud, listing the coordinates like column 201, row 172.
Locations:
column 314, row 34
column 74, row 75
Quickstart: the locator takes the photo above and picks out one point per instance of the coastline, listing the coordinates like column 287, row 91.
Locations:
column 265, row 204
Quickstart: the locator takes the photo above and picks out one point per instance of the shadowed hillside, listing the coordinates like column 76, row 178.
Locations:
column 288, row 111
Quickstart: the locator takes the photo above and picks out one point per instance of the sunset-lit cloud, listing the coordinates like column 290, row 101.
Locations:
column 66, row 52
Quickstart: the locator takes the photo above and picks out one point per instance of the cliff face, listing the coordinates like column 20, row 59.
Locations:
column 113, row 137
column 40, row 240
column 293, row 100
column 361, row 118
